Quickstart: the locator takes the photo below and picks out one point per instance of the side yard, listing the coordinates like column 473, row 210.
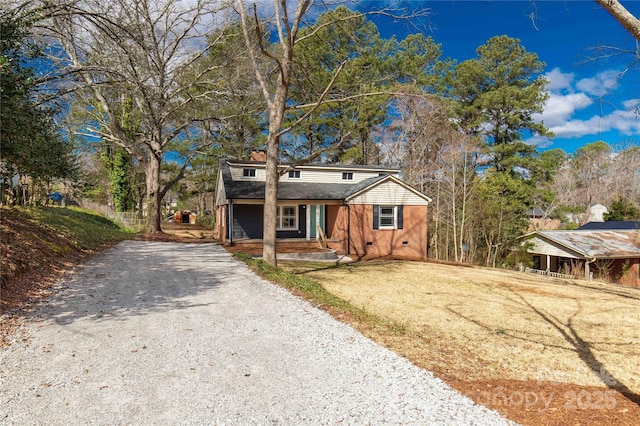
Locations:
column 541, row 350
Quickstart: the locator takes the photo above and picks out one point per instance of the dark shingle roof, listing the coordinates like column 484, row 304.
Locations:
column 614, row 224
column 254, row 190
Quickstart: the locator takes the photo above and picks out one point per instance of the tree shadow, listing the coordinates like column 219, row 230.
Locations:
column 569, row 333
column 584, row 351
column 137, row 278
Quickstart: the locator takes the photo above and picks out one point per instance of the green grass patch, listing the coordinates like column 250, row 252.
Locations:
column 316, row 294
column 83, row 229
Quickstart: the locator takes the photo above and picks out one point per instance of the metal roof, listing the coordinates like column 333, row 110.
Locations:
column 599, row 244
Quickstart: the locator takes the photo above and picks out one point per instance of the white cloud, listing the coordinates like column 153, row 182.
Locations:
column 559, row 80
column 631, row 104
column 624, row 122
column 599, row 85
column 567, row 113
column 559, row 108
column 539, row 141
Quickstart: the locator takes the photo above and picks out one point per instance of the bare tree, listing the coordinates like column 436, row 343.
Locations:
column 127, row 58
column 623, row 16
column 287, row 24
column 439, row 160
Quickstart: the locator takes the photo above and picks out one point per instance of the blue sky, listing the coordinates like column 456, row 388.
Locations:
column 590, row 99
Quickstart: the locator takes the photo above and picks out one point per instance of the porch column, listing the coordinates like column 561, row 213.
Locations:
column 318, row 207
column 587, row 270
column 230, row 222
column 548, row 263
column 308, row 219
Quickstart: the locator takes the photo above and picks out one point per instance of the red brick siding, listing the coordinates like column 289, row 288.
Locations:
column 627, row 271
column 409, row 242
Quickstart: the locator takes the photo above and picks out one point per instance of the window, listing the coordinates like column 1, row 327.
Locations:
column 250, row 173
column 537, row 262
column 387, row 217
column 287, row 218
column 294, row 174
column 347, row 175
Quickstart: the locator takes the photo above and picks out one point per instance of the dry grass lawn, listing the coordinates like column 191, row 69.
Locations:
column 476, row 323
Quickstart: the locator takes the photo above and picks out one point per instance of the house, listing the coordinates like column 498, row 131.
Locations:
column 540, row 220
column 596, row 213
column 361, row 211
column 613, row 254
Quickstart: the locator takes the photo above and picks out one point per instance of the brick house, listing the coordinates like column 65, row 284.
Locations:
column 360, row 211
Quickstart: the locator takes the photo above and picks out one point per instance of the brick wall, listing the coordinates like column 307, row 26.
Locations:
column 364, row 241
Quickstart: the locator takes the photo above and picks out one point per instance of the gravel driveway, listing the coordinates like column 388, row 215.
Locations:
column 167, row 333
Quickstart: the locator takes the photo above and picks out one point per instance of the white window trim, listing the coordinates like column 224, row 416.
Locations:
column 255, row 173
column 345, row 174
column 294, row 172
column 279, row 226
column 395, row 217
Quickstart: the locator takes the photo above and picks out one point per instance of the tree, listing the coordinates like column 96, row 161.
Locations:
column 341, row 38
column 287, row 26
column 121, row 189
column 239, row 123
column 500, row 203
column 124, row 53
column 592, row 164
column 622, row 209
column 623, row 16
column 30, row 142
column 543, row 174
column 497, row 94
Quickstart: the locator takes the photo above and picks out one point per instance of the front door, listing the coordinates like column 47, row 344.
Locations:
column 316, row 217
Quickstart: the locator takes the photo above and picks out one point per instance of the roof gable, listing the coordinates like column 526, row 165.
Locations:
column 388, row 187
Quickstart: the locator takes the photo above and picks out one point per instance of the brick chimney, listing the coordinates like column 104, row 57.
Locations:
column 258, row 155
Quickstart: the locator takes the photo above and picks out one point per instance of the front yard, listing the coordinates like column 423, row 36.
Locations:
column 501, row 335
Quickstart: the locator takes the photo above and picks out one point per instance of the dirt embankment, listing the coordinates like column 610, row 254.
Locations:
column 33, row 257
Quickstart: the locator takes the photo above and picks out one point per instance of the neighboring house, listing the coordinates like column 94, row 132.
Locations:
column 596, row 213
column 540, row 220
column 610, row 253
column 362, row 211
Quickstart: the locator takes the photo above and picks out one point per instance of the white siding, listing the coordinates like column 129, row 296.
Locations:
column 236, row 173
column 330, row 176
column 308, row 175
column 390, row 193
column 543, row 247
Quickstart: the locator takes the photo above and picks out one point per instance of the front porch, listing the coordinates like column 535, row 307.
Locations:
column 292, row 249
column 283, row 245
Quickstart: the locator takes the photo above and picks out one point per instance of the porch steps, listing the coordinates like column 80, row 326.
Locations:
column 291, row 250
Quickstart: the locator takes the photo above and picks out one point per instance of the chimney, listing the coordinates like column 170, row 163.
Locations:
column 258, row 155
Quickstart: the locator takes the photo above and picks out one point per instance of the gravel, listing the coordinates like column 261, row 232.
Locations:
column 166, row 333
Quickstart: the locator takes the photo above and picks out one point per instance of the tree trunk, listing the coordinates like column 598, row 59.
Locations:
column 271, row 202
column 272, row 179
column 154, row 200
column 623, row 16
